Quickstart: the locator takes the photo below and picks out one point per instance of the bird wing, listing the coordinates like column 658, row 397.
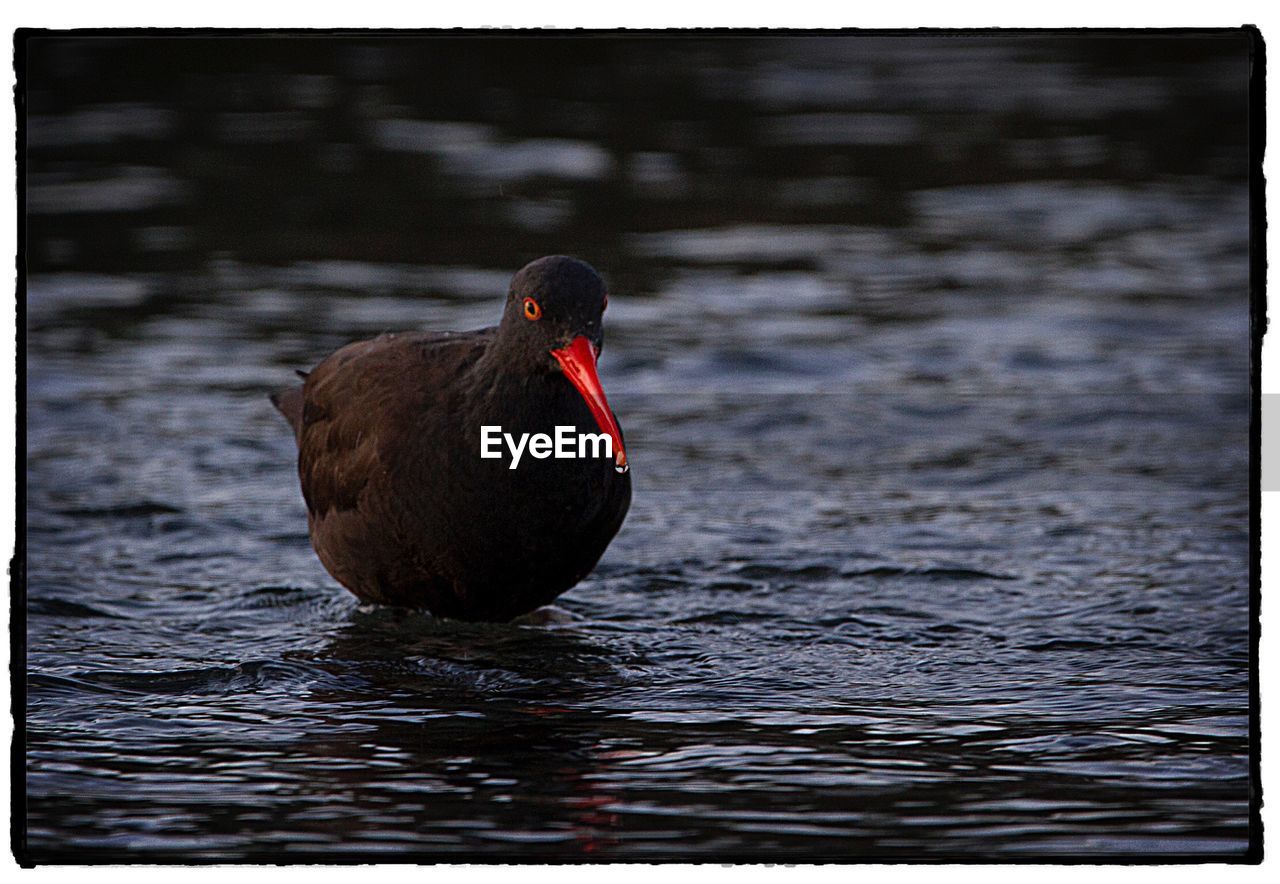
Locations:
column 360, row 407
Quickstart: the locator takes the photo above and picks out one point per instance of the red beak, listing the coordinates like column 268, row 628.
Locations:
column 579, row 363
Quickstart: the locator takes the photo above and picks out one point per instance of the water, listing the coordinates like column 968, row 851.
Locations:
column 932, row 356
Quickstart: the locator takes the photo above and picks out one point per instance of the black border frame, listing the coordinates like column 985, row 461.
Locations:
column 28, row 858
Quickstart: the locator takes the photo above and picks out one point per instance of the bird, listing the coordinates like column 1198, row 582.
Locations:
column 403, row 510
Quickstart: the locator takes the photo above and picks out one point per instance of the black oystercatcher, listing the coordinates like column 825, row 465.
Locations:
column 402, row 508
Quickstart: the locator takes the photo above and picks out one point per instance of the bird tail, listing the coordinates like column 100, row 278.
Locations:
column 289, row 403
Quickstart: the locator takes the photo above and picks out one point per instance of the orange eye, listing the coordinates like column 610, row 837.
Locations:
column 532, row 310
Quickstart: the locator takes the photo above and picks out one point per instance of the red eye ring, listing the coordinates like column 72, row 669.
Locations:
column 532, row 310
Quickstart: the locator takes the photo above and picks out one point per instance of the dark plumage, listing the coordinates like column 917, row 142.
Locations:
column 401, row 507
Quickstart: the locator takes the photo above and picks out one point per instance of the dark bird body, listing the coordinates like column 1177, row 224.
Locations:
column 403, row 510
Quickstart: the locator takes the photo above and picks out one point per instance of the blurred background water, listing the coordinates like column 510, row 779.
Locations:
column 932, row 356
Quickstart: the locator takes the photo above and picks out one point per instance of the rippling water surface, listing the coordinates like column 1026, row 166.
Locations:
column 932, row 355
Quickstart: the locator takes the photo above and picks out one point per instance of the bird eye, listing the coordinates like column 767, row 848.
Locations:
column 532, row 310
